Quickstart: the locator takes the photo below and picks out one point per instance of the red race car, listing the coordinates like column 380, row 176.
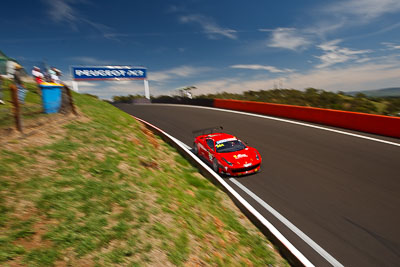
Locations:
column 227, row 154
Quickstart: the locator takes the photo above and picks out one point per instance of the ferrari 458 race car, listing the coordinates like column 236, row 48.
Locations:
column 227, row 154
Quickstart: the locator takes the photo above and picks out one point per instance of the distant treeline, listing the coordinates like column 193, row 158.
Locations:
column 310, row 97
column 126, row 99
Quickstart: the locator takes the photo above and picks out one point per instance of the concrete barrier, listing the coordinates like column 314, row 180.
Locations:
column 370, row 123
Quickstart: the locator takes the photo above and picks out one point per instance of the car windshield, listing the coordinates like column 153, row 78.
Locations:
column 229, row 146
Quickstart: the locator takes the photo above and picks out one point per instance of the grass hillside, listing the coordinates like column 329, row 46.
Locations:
column 102, row 190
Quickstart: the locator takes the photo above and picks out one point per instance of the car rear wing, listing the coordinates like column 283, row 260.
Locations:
column 207, row 131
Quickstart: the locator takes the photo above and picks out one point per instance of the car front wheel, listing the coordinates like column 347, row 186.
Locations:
column 195, row 149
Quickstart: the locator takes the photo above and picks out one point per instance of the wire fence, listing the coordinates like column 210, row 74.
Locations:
column 13, row 111
column 31, row 107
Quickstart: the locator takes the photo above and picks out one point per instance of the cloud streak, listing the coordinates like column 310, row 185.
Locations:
column 261, row 67
column 335, row 17
column 391, row 46
column 178, row 72
column 288, row 38
column 63, row 11
column 345, row 14
column 210, row 27
column 334, row 54
column 363, row 10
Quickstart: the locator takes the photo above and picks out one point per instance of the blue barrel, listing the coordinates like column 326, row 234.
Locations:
column 51, row 97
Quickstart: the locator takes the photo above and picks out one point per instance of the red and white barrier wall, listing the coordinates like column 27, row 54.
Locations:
column 376, row 124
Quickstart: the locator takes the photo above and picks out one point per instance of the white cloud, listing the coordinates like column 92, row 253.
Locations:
column 321, row 28
column 391, row 46
column 261, row 67
column 363, row 10
column 175, row 9
column 63, row 11
column 210, row 27
column 87, row 84
column 334, row 54
column 106, row 90
column 363, row 60
column 178, row 72
column 288, row 38
column 349, row 78
column 345, row 14
column 265, row 30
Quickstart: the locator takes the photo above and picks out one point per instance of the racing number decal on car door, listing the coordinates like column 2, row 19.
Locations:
column 202, row 150
column 210, row 144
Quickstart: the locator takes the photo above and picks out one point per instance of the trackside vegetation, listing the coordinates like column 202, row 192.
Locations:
column 102, row 190
column 318, row 98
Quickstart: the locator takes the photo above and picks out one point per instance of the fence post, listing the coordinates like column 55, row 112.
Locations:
column 16, row 107
column 71, row 100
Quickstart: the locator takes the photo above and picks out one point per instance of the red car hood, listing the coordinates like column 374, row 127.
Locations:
column 242, row 157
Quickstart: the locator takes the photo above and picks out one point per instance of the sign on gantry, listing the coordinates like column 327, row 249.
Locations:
column 99, row 73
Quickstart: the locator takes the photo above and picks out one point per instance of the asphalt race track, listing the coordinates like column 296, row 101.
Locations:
column 342, row 191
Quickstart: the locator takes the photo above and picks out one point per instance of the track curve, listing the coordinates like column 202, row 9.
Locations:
column 342, row 191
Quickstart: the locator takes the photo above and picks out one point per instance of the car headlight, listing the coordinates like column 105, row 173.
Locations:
column 229, row 163
column 257, row 157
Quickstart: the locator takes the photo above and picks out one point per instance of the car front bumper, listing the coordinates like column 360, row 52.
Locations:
column 239, row 171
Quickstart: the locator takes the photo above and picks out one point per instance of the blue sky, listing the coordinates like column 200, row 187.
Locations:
column 217, row 46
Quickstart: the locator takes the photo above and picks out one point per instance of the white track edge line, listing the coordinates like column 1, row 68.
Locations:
column 290, row 121
column 289, row 225
column 250, row 208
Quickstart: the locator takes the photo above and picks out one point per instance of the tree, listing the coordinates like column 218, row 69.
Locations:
column 361, row 95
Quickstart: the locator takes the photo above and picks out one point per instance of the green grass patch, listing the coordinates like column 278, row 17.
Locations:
column 41, row 257
column 180, row 251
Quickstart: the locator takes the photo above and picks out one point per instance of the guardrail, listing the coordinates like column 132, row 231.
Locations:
column 370, row 123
